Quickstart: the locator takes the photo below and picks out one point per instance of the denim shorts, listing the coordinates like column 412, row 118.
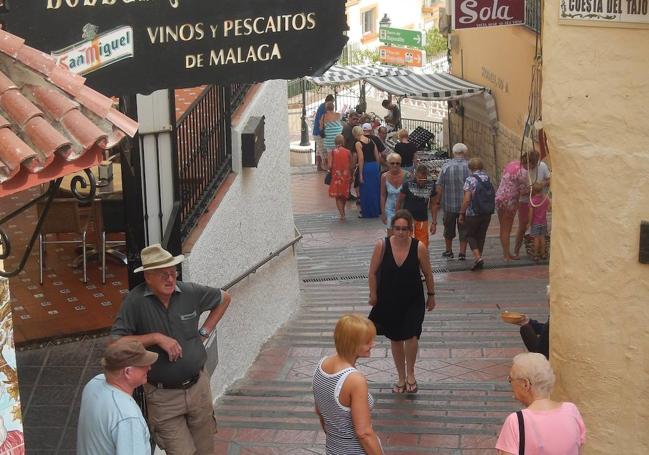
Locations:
column 539, row 230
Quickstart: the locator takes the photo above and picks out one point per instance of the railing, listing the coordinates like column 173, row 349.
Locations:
column 204, row 153
column 533, row 15
column 264, row 261
column 237, row 94
column 437, row 128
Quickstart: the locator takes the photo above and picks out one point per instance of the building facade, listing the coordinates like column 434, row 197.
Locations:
column 501, row 59
column 594, row 112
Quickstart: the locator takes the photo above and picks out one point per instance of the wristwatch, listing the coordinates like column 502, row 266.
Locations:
column 203, row 332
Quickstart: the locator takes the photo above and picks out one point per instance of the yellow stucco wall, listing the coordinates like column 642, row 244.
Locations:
column 499, row 58
column 596, row 115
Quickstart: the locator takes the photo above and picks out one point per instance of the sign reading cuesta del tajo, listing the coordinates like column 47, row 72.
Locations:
column 137, row 46
column 605, row 12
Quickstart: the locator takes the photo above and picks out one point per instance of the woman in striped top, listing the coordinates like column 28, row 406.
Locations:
column 342, row 400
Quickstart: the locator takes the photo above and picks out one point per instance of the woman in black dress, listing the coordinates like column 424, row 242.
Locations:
column 397, row 295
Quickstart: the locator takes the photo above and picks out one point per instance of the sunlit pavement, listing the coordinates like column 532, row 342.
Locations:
column 465, row 351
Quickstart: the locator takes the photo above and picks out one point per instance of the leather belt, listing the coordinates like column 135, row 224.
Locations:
column 183, row 385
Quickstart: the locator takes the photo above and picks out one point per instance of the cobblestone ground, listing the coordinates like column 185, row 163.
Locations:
column 465, row 350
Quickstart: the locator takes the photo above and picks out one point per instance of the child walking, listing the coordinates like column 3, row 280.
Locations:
column 538, row 219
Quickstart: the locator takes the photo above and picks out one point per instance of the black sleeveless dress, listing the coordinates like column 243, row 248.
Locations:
column 400, row 308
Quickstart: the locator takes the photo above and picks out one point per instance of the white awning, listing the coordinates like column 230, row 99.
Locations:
column 436, row 86
column 345, row 74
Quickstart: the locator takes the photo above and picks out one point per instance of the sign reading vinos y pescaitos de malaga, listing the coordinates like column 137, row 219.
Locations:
column 137, row 46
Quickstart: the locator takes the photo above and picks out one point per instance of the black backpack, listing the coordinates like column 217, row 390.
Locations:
column 483, row 201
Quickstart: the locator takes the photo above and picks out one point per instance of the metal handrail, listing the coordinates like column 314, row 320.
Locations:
column 208, row 342
column 267, row 259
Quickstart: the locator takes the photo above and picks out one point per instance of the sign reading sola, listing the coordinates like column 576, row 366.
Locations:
column 138, row 46
column 487, row 13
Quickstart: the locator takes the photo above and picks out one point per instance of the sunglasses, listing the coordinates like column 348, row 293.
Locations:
column 401, row 228
column 395, row 163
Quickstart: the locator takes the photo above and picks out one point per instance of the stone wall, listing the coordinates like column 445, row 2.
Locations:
column 480, row 140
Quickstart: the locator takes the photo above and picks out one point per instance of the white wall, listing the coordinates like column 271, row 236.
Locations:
column 254, row 219
column 402, row 14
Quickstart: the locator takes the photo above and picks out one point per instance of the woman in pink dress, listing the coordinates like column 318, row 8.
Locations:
column 513, row 183
column 550, row 427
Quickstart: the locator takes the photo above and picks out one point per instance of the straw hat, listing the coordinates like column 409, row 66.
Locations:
column 155, row 257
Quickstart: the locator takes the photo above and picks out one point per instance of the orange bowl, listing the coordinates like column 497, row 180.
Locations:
column 512, row 317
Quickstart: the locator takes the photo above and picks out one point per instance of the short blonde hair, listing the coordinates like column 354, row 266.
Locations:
column 352, row 330
column 393, row 155
column 535, row 368
column 402, row 133
column 357, row 131
column 339, row 139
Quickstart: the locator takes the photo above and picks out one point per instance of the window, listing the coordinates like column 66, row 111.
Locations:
column 369, row 21
column 533, row 15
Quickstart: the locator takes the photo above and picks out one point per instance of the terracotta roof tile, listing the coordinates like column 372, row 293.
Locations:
column 94, row 101
column 5, row 83
column 14, row 152
column 10, row 44
column 51, row 123
column 53, row 101
column 83, row 130
column 19, row 108
column 45, row 138
column 35, row 59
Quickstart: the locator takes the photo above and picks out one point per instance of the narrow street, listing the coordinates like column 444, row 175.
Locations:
column 465, row 350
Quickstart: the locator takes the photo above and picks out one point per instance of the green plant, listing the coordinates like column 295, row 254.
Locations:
column 358, row 56
column 436, row 43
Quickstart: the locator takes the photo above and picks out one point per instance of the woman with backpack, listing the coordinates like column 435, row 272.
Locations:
column 477, row 207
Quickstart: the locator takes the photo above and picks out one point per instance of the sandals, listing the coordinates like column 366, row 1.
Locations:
column 411, row 387
column 396, row 388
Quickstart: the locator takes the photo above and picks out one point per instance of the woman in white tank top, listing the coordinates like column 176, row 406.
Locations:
column 342, row 400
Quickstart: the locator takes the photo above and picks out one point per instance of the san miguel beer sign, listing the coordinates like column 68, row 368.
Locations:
column 137, row 46
column 487, row 13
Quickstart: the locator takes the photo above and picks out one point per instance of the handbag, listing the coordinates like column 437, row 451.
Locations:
column 521, row 433
column 322, row 133
column 327, row 179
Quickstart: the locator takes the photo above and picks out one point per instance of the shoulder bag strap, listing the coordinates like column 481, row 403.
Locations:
column 521, row 433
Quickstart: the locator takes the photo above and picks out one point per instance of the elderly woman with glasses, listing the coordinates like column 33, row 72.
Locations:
column 391, row 182
column 550, row 427
column 397, row 295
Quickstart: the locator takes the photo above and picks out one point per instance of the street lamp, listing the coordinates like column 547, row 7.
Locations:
column 385, row 21
column 304, row 132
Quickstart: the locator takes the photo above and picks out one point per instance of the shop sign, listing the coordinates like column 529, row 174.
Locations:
column 91, row 54
column 600, row 12
column 401, row 56
column 182, row 43
column 401, row 37
column 487, row 13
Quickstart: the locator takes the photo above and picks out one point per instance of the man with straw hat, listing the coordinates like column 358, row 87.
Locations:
column 163, row 315
column 110, row 421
